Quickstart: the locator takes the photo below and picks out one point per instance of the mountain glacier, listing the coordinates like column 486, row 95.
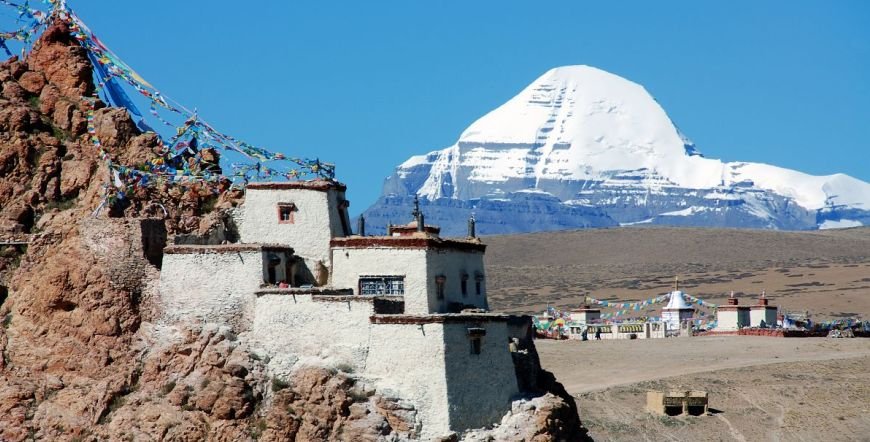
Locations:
column 581, row 147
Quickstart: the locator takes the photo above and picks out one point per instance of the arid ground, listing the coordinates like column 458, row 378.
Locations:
column 824, row 272
column 761, row 389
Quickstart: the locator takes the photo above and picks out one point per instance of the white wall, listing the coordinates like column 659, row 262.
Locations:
column 420, row 267
column 213, row 287
column 407, row 361
column 452, row 264
column 289, row 327
column 674, row 318
column 432, row 365
column 350, row 263
column 767, row 313
column 316, row 221
column 480, row 388
column 728, row 320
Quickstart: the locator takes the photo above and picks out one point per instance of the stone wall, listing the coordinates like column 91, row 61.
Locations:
column 765, row 313
column 420, row 267
column 452, row 264
column 316, row 220
column 408, row 361
column 429, row 360
column 480, row 387
column 210, row 286
column 350, row 263
column 730, row 318
column 290, row 325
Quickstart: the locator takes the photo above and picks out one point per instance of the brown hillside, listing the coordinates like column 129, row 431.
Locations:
column 826, row 272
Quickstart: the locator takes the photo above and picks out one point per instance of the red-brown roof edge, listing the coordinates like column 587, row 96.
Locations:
column 321, row 185
column 406, row 242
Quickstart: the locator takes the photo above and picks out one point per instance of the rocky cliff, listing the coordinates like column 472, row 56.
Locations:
column 84, row 355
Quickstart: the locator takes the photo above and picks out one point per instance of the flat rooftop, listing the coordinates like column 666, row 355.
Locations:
column 407, row 242
column 320, row 184
column 180, row 249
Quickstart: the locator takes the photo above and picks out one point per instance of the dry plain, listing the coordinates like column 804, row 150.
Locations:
column 761, row 389
column 824, row 272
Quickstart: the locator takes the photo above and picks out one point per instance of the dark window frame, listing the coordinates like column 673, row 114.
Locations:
column 475, row 345
column 381, row 285
column 440, row 286
column 287, row 213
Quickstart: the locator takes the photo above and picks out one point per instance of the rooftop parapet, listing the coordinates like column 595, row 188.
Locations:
column 448, row 318
column 319, row 184
column 407, row 242
column 180, row 249
column 312, row 291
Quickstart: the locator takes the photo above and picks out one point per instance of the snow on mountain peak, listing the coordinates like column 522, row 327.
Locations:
column 584, row 125
column 578, row 105
column 574, row 122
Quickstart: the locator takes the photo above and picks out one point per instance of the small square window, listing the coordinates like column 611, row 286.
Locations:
column 286, row 213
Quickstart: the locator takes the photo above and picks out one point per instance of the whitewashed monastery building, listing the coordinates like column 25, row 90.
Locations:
column 407, row 311
column 733, row 316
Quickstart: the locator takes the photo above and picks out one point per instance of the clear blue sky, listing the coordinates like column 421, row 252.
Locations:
column 368, row 84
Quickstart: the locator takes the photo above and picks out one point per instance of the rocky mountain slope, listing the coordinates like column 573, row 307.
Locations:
column 581, row 147
column 85, row 354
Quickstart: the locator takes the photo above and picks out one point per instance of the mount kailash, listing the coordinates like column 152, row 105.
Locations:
column 581, row 147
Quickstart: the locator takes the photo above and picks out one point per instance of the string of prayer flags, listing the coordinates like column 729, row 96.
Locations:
column 119, row 85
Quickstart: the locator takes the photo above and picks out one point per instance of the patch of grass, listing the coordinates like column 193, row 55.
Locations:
column 279, row 384
column 60, row 134
column 209, row 204
column 358, row 395
column 60, row 204
column 116, row 403
column 34, row 102
column 7, row 320
column 204, row 383
column 344, row 367
column 14, row 254
column 257, row 428
column 167, row 388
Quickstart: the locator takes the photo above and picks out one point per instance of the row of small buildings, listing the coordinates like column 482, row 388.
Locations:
column 677, row 319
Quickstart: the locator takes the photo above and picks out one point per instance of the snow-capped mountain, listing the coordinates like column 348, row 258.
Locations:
column 581, row 147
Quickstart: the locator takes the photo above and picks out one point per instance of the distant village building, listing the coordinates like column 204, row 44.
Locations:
column 677, row 312
column 677, row 403
column 407, row 310
column 733, row 316
column 627, row 330
column 762, row 314
column 585, row 315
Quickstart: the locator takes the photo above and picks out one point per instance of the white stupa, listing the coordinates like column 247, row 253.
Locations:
column 677, row 310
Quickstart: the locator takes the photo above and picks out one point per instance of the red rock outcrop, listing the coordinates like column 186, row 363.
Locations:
column 82, row 356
